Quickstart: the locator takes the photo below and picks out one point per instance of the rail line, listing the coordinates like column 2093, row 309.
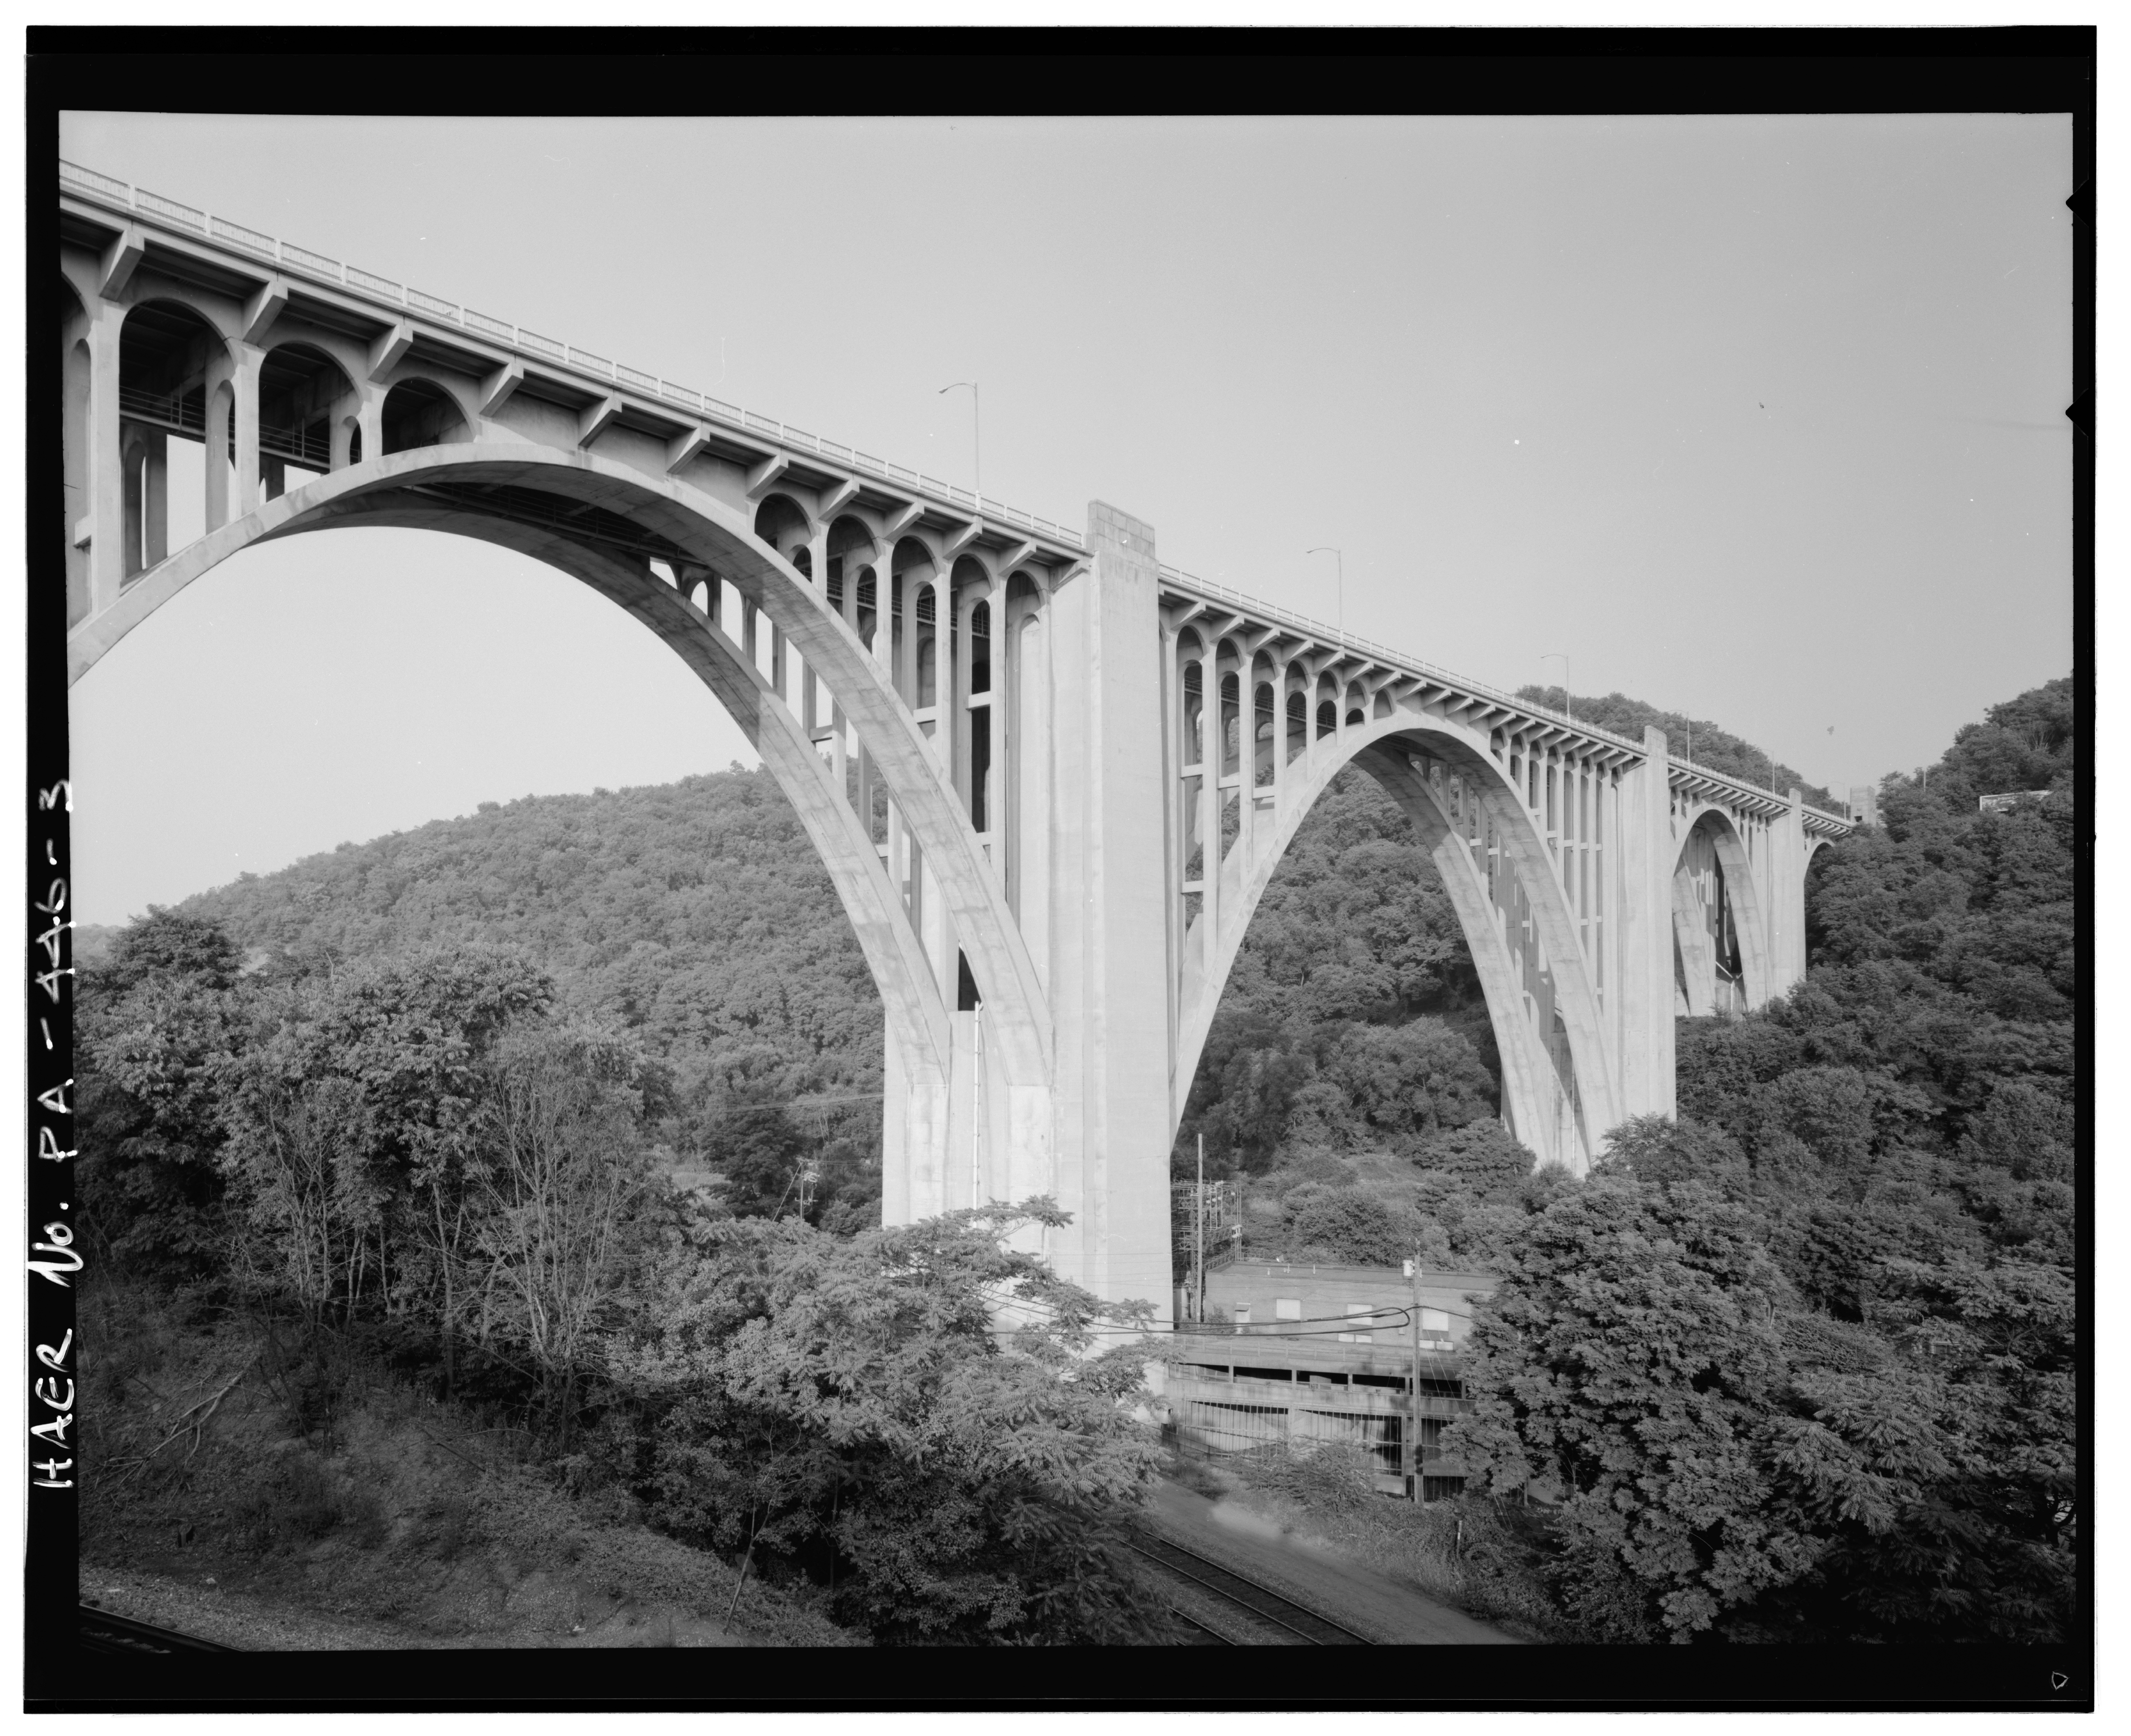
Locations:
column 1246, row 1594
column 100, row 1631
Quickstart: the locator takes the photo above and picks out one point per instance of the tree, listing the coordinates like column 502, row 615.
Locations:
column 845, row 1197
column 849, row 1405
column 166, row 944
column 563, row 1176
column 1939, row 1468
column 296, row 1157
column 398, row 1043
column 1350, row 1225
column 762, row 1151
column 1245, row 1089
column 1628, row 1360
column 1403, row 1081
column 411, row 1031
column 1658, row 1151
column 1481, row 1157
column 2024, row 1129
column 155, row 1027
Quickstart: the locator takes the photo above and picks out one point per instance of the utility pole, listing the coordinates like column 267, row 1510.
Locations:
column 1199, row 1244
column 1339, row 556
column 976, row 430
column 1413, row 1272
column 1567, row 703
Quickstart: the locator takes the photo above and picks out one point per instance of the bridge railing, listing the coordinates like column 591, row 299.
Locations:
column 1730, row 781
column 1385, row 654
column 1398, row 659
column 111, row 190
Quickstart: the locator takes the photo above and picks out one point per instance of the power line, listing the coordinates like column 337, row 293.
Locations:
column 1335, row 1324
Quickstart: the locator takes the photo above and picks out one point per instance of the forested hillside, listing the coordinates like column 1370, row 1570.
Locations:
column 1855, row 1246
column 1798, row 1365
column 694, row 915
column 408, row 1118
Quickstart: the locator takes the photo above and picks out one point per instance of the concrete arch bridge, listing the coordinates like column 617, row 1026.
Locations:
column 1048, row 776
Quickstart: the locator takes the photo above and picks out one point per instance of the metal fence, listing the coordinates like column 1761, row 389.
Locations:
column 1213, row 1418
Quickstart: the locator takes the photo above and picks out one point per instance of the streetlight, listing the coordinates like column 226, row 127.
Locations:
column 1326, row 549
column 976, row 428
column 1568, row 704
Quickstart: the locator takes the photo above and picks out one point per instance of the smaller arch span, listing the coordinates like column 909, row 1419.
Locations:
column 306, row 397
column 783, row 523
column 1720, row 917
column 417, row 412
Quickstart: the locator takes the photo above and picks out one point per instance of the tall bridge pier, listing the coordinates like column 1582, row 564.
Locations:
column 1049, row 777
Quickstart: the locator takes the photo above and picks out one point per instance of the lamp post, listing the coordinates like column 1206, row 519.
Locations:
column 1568, row 704
column 1326, row 549
column 976, row 430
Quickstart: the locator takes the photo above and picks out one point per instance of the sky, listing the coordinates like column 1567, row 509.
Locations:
column 1758, row 418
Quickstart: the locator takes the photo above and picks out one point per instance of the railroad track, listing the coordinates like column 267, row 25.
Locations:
column 1236, row 1589
column 100, row 1631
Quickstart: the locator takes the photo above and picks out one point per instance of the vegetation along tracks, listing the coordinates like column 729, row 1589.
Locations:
column 1233, row 1588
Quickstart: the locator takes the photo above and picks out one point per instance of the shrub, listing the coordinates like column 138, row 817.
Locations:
column 1656, row 1149
column 1332, row 1476
column 1349, row 1225
column 844, row 1407
column 1480, row 1157
column 2025, row 1129
column 1844, row 1114
column 1406, row 1081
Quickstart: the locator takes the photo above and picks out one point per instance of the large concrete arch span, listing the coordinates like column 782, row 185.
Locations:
column 1048, row 776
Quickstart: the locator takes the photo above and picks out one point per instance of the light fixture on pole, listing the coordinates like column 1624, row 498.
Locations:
column 1326, row 549
column 976, row 430
column 1568, row 704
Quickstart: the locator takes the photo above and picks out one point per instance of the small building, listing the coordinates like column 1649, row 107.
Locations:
column 1293, row 1353
column 1864, row 804
column 2006, row 802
